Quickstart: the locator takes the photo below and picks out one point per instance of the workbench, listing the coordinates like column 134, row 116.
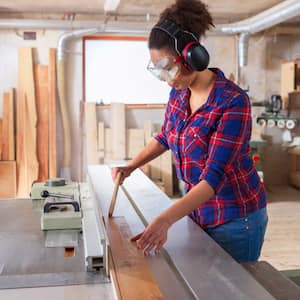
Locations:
column 191, row 266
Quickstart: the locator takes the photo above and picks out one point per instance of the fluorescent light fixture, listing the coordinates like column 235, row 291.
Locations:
column 111, row 5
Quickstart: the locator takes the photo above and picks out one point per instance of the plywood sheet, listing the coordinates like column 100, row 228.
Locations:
column 0, row 137
column 27, row 164
column 5, row 127
column 108, row 143
column 42, row 102
column 91, row 133
column 52, row 113
column 135, row 142
column 287, row 81
column 8, row 179
column 118, row 128
column 101, row 140
column 167, row 172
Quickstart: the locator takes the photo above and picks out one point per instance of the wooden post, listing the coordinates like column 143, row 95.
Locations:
column 118, row 128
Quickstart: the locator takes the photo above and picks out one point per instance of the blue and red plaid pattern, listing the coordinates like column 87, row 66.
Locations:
column 212, row 144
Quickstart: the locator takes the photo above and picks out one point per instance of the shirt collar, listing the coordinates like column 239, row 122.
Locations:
column 184, row 94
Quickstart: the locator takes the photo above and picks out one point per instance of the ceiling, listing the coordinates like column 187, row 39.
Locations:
column 223, row 11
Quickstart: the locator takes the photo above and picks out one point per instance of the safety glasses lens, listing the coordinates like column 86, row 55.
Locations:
column 159, row 70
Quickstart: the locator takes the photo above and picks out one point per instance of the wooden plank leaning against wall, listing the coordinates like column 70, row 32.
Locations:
column 102, row 146
column 7, row 147
column 29, row 152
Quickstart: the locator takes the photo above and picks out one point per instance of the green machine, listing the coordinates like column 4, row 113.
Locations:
column 59, row 203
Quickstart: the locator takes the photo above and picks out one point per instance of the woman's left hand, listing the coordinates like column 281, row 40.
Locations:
column 154, row 236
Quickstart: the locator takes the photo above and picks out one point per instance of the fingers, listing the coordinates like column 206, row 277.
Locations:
column 125, row 172
column 147, row 245
column 114, row 172
column 149, row 248
column 137, row 237
column 159, row 245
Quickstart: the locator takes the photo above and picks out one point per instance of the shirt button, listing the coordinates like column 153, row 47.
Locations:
column 247, row 227
column 246, row 219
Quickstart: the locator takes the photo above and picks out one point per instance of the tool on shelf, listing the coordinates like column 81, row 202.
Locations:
column 274, row 116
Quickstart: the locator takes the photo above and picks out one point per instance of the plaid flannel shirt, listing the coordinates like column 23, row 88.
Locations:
column 212, row 144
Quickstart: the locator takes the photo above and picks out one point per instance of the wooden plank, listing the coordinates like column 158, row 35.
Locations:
column 91, row 133
column 8, row 177
column 0, row 138
column 42, row 103
column 133, row 276
column 155, row 169
column 147, row 138
column 20, row 140
column 5, row 127
column 101, row 141
column 118, row 128
column 135, row 142
column 11, row 129
column 52, row 113
column 108, row 143
column 287, row 81
column 155, row 164
column 147, row 131
column 167, row 172
column 297, row 76
column 27, row 164
column 113, row 276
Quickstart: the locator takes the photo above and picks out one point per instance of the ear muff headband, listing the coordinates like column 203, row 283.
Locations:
column 194, row 55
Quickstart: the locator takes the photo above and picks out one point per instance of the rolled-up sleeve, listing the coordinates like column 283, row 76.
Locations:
column 232, row 133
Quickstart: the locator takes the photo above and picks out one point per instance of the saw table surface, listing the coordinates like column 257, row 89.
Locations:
column 44, row 272
column 193, row 266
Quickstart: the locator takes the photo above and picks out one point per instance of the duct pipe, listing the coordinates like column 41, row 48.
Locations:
column 74, row 25
column 268, row 18
column 243, row 41
column 66, row 168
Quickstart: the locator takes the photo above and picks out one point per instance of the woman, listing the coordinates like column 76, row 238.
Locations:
column 207, row 127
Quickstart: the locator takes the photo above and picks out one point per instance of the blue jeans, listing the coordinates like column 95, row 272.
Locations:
column 242, row 238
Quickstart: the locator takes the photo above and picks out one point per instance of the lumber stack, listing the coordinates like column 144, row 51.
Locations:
column 116, row 142
column 28, row 127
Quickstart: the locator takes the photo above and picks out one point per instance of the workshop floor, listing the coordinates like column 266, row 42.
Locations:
column 282, row 241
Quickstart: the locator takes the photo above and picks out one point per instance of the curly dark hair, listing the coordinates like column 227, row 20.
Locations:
column 189, row 15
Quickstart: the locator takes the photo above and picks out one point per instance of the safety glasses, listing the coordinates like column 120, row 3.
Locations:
column 165, row 69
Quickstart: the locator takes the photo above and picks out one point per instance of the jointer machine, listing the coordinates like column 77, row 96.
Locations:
column 68, row 239
column 67, row 212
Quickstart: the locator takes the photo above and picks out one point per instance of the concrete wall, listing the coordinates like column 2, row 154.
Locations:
column 261, row 76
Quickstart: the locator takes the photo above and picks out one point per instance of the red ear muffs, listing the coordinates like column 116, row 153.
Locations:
column 194, row 55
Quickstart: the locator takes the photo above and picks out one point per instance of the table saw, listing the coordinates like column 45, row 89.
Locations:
column 191, row 265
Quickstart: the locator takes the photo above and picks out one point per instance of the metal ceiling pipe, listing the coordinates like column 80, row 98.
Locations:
column 270, row 17
column 73, row 25
column 277, row 14
column 73, row 35
column 243, row 43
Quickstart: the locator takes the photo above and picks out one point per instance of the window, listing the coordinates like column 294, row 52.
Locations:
column 115, row 71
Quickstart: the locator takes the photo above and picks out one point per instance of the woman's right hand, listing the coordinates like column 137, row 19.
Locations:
column 125, row 172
